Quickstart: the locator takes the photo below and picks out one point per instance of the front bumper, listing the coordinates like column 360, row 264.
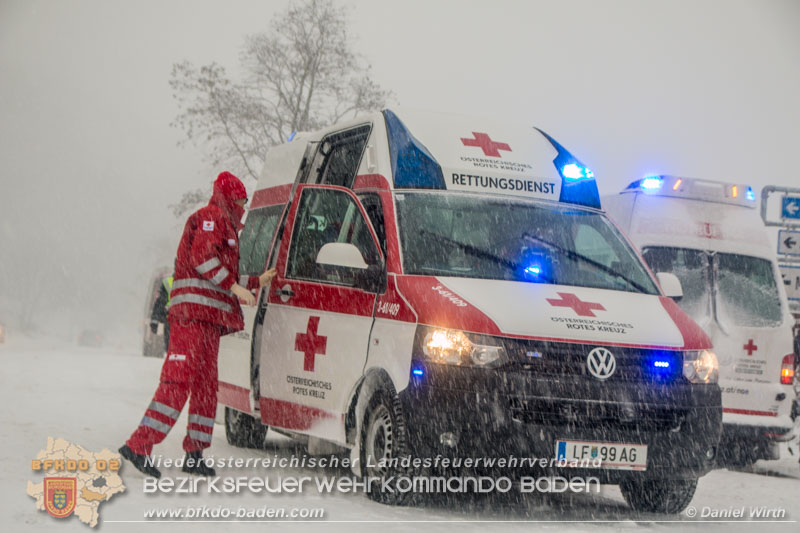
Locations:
column 502, row 414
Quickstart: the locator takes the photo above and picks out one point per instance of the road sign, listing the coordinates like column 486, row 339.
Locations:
column 790, row 207
column 791, row 281
column 789, row 242
column 780, row 206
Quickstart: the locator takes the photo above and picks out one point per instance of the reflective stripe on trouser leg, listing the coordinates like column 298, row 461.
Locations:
column 203, row 389
column 172, row 391
column 159, row 418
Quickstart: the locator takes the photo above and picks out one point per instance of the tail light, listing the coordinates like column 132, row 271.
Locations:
column 787, row 369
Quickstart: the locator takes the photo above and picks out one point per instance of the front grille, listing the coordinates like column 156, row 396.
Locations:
column 595, row 415
column 542, row 358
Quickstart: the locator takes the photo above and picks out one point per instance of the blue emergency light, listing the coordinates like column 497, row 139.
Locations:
column 574, row 172
column 750, row 195
column 578, row 185
column 652, row 183
column 418, row 371
column 661, row 366
column 533, row 270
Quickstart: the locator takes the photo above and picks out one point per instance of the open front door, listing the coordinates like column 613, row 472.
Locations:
column 234, row 350
column 317, row 324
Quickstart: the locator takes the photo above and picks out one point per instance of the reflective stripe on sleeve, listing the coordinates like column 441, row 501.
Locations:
column 199, row 435
column 222, row 274
column 155, row 424
column 202, row 420
column 244, row 280
column 164, row 409
column 201, row 300
column 207, row 266
column 199, row 284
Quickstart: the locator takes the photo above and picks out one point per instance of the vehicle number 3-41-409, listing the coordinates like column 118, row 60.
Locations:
column 388, row 308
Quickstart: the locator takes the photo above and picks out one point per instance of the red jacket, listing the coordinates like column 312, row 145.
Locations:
column 207, row 266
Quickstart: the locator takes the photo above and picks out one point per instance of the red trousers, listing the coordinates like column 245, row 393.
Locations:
column 189, row 371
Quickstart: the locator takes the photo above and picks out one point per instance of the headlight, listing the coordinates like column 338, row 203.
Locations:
column 453, row 347
column 700, row 366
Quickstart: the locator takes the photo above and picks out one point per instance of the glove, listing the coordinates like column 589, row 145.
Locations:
column 266, row 277
column 154, row 327
column 243, row 294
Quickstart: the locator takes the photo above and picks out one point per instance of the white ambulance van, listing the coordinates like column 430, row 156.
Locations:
column 448, row 287
column 710, row 236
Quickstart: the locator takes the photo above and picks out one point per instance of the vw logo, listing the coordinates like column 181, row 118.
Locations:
column 601, row 363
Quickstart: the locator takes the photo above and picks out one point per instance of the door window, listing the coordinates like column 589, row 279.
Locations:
column 254, row 244
column 325, row 216
column 339, row 156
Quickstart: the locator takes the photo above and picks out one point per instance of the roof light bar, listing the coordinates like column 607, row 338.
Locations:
column 694, row 189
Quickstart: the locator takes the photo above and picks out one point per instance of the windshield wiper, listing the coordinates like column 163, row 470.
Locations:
column 575, row 255
column 478, row 252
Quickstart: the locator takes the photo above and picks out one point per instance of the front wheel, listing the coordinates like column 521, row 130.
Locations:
column 384, row 441
column 244, row 431
column 667, row 496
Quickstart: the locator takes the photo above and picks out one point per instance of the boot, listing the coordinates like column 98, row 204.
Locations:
column 194, row 464
column 140, row 461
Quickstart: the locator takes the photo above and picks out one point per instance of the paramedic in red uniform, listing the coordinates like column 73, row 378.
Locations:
column 204, row 306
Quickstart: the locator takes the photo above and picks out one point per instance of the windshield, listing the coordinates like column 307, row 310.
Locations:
column 747, row 294
column 744, row 289
column 445, row 234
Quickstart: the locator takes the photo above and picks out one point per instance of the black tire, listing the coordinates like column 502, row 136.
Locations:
column 666, row 496
column 384, row 436
column 244, row 431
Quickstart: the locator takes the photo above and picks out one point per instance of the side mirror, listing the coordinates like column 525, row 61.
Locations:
column 671, row 285
column 341, row 254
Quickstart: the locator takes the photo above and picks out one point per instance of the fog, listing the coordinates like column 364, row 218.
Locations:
column 91, row 164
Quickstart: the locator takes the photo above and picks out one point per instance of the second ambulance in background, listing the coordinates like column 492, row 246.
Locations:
column 710, row 236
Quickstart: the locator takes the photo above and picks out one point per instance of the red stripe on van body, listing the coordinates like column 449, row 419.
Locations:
column 748, row 412
column 392, row 305
column 271, row 196
column 290, row 415
column 234, row 396
column 316, row 296
column 435, row 309
column 694, row 338
column 371, row 181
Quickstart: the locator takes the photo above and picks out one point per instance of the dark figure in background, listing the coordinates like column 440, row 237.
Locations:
column 161, row 309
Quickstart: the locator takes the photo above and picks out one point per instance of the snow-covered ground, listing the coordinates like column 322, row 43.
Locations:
column 95, row 397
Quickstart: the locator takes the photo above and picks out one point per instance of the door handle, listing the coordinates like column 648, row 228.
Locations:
column 286, row 290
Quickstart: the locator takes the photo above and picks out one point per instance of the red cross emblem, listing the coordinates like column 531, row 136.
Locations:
column 310, row 343
column 570, row 300
column 485, row 143
column 750, row 347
